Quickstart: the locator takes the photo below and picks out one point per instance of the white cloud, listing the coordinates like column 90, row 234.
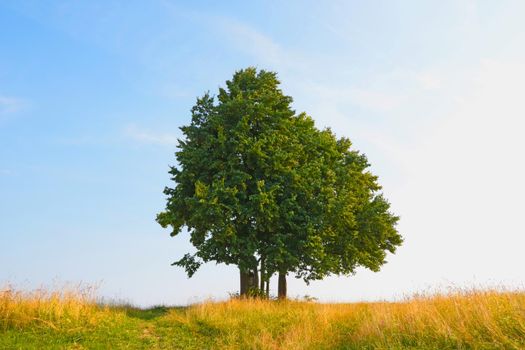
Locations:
column 462, row 189
column 365, row 98
column 10, row 104
column 151, row 137
column 261, row 47
column 429, row 80
column 375, row 100
column 253, row 42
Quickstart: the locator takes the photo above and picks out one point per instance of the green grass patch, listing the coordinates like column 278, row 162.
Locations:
column 465, row 320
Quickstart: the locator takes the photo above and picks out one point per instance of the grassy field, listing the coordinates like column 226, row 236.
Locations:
column 72, row 320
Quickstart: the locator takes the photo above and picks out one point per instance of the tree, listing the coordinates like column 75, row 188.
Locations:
column 259, row 186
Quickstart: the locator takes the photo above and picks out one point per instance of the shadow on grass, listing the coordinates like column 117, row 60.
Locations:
column 149, row 314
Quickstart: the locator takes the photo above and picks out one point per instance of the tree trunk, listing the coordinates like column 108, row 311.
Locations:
column 255, row 280
column 281, row 288
column 244, row 282
column 263, row 274
column 249, row 279
column 268, row 287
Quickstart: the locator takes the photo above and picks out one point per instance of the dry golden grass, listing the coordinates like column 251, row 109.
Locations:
column 461, row 319
column 57, row 310
column 475, row 319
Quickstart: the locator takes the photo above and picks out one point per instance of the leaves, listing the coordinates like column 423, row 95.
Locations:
column 256, row 179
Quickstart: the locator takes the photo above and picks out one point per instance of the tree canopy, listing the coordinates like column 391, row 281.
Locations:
column 259, row 186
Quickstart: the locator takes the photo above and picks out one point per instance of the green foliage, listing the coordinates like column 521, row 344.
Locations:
column 257, row 182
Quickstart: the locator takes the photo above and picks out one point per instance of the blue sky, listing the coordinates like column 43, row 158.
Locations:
column 92, row 94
